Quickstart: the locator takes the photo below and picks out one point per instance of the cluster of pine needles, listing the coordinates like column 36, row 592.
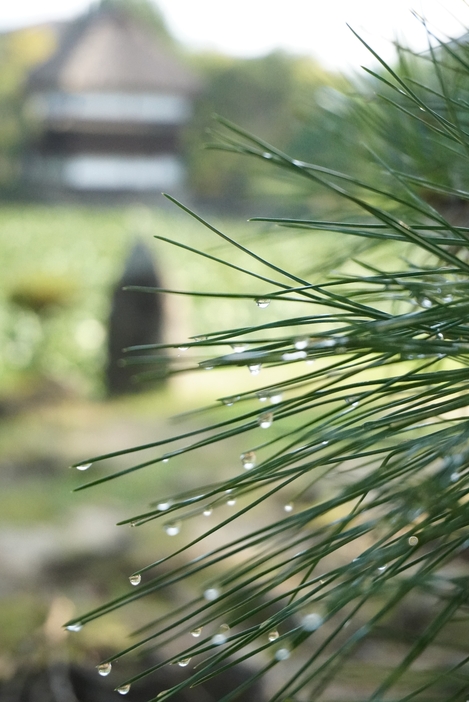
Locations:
column 366, row 451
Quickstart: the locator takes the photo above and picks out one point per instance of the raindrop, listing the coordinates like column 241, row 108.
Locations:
column 413, row 541
column 381, row 569
column 172, row 528
column 182, row 348
column 74, row 627
column 282, row 654
column 163, row 506
column 297, row 163
column 205, row 367
column 265, row 420
column 229, row 401
column 222, row 635
column 104, row 669
column 288, row 507
column 262, row 303
column 262, row 395
column 208, row 512
column 352, row 400
column 255, row 368
column 211, row 593
column 135, row 579
column 165, row 459
column 272, row 635
column 266, row 155
column 196, row 632
column 294, row 356
column 184, row 662
column 311, row 622
column 275, row 399
column 248, row 460
column 231, row 502
column 448, row 298
column 219, row 639
column 123, row 689
column 425, row 302
column 301, row 343
column 84, row 466
column 239, row 348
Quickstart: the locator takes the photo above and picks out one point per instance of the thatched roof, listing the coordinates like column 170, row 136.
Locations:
column 108, row 51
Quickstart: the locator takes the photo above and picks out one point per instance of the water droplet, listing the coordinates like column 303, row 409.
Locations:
column 265, row 420
column 352, row 400
column 262, row 303
column 74, row 627
column 182, row 348
column 133, row 524
column 104, row 669
column 266, row 155
column 207, row 512
column 211, row 593
column 205, row 366
column 231, row 502
column 219, row 639
column 222, row 635
column 311, row 622
column 163, row 506
column 255, row 368
column 276, row 398
column 294, row 355
column 272, row 635
column 123, row 689
column 196, row 632
column 413, row 541
column 262, row 395
column 248, row 460
column 282, row 654
column 381, row 569
column 229, row 401
column 172, row 528
column 135, row 579
column 239, row 348
column 84, row 466
column 288, row 507
column 301, row 343
column 448, row 298
column 165, row 459
column 184, row 662
column 424, row 302
column 454, row 477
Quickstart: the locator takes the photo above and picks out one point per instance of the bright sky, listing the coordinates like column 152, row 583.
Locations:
column 253, row 27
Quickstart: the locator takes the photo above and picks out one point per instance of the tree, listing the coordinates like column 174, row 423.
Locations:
column 367, row 450
column 269, row 95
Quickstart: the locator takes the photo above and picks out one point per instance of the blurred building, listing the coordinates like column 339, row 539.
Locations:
column 110, row 105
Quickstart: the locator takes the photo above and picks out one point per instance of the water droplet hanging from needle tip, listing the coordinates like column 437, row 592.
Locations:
column 104, row 669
